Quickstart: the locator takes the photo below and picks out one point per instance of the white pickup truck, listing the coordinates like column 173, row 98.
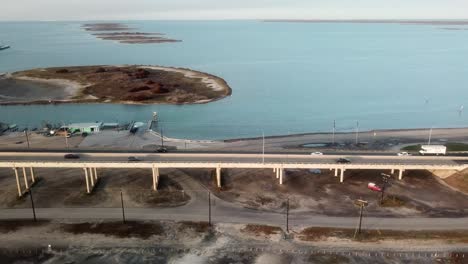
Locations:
column 433, row 150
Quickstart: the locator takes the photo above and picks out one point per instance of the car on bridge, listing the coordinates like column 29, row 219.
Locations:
column 404, row 154
column 316, row 153
column 71, row 156
column 133, row 159
column 343, row 160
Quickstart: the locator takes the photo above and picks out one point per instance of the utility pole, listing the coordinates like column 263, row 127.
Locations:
column 430, row 136
column 385, row 178
column 209, row 208
column 263, row 147
column 361, row 204
column 357, row 132
column 287, row 215
column 162, row 137
column 334, row 129
column 123, row 210
column 32, row 204
column 27, row 136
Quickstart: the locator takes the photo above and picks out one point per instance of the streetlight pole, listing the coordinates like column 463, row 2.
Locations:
column 263, row 147
column 430, row 136
column 27, row 136
column 334, row 129
column 162, row 137
column 357, row 132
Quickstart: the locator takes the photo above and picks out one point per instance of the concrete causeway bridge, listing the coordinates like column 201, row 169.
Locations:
column 90, row 163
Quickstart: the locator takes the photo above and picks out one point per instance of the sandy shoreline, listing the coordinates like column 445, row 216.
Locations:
column 215, row 83
column 74, row 92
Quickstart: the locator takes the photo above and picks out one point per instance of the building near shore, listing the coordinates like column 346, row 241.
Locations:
column 85, row 127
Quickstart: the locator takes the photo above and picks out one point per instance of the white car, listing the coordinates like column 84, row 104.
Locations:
column 316, row 153
column 404, row 154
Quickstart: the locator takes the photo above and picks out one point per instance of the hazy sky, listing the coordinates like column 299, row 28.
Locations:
column 230, row 9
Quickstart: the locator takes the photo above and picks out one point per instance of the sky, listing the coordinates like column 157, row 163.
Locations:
column 231, row 9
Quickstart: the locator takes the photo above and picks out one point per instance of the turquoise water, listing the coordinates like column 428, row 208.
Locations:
column 286, row 77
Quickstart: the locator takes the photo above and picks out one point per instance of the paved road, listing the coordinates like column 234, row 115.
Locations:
column 239, row 215
column 239, row 158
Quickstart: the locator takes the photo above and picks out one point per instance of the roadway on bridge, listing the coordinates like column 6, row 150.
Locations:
column 232, row 158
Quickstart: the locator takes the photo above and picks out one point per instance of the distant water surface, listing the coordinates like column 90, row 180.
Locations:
column 286, row 77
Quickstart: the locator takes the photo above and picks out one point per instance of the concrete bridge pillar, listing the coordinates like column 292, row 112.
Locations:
column 281, row 172
column 336, row 172
column 20, row 192
column 95, row 174
column 393, row 171
column 155, row 178
column 87, row 180
column 342, row 175
column 274, row 170
column 91, row 176
column 218, row 176
column 400, row 174
column 25, row 177
column 277, row 173
column 33, row 179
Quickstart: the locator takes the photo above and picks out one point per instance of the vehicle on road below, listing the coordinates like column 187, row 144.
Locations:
column 71, row 156
column 433, row 150
column 316, row 153
column 133, row 159
column 403, row 154
column 343, row 160
column 162, row 150
column 372, row 186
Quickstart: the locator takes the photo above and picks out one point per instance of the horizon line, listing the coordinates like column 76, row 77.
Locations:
column 256, row 19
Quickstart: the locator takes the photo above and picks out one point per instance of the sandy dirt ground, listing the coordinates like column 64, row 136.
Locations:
column 67, row 188
column 320, row 192
column 189, row 242
column 418, row 194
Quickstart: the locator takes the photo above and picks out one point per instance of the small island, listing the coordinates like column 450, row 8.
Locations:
column 121, row 33
column 130, row 84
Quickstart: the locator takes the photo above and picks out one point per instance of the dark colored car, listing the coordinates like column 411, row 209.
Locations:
column 133, row 159
column 343, row 160
column 162, row 150
column 71, row 156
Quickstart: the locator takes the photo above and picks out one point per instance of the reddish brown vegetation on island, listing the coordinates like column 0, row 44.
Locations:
column 134, row 84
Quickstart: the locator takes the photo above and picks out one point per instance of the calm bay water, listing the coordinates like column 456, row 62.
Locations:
column 286, row 77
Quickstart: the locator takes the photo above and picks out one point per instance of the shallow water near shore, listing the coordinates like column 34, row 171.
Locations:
column 286, row 77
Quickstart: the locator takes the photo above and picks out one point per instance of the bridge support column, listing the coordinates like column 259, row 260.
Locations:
column 342, row 175
column 218, row 177
column 25, row 179
column 274, row 170
column 277, row 173
column 281, row 172
column 91, row 177
column 95, row 174
column 33, row 179
column 400, row 174
column 155, row 178
column 20, row 193
column 393, row 171
column 336, row 172
column 87, row 180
